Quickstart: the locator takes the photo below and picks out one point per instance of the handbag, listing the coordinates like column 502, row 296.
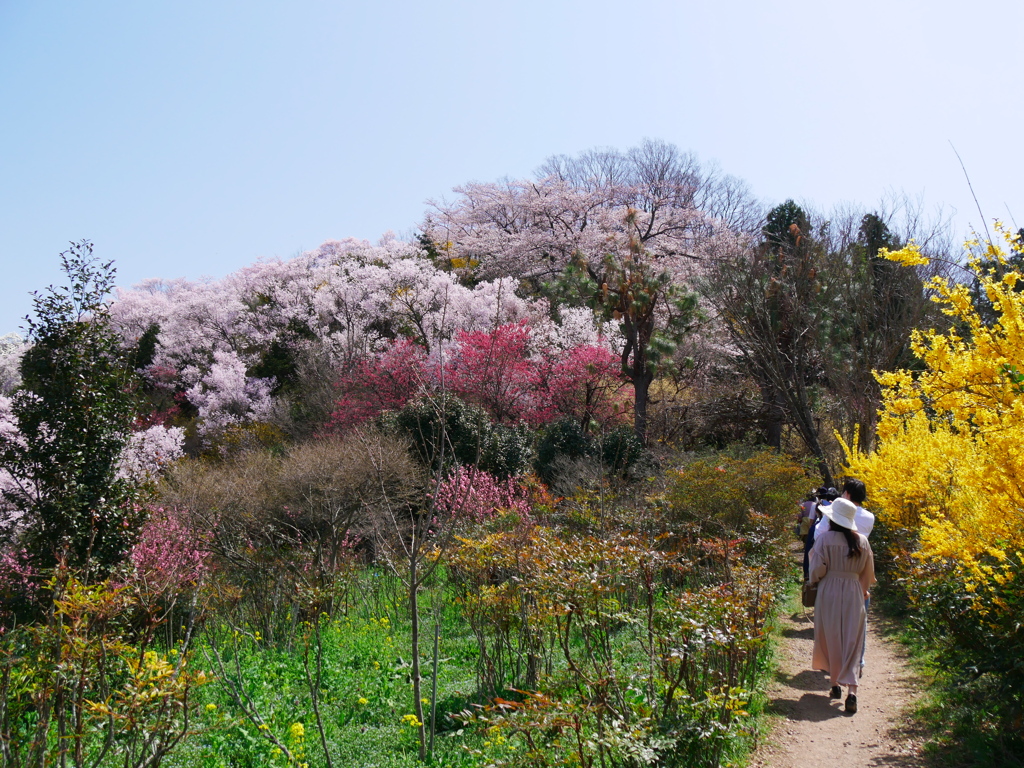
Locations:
column 809, row 593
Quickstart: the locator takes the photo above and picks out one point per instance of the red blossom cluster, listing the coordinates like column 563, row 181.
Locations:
column 503, row 371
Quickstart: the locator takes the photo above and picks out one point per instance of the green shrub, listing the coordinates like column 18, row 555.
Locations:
column 508, row 451
column 444, row 430
column 563, row 439
column 621, row 449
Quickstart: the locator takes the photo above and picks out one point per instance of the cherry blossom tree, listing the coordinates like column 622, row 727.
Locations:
column 589, row 206
column 150, row 451
column 224, row 396
column 219, row 342
column 12, row 346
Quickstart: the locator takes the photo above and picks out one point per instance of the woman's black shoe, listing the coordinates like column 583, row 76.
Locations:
column 851, row 704
column 835, row 693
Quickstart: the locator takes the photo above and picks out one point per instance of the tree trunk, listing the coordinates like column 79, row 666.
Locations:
column 775, row 406
column 804, row 421
column 414, row 612
column 641, row 389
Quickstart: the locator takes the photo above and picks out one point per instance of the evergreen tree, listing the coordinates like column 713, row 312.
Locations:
column 74, row 412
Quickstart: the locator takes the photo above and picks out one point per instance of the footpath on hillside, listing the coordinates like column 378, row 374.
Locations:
column 810, row 730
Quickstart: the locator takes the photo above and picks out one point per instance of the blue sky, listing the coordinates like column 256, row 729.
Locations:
column 192, row 138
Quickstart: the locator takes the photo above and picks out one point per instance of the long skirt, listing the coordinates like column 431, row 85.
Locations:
column 839, row 627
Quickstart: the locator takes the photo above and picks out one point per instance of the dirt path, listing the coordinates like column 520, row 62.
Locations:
column 813, row 731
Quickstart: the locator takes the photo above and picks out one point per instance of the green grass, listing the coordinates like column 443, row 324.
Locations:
column 365, row 692
column 958, row 718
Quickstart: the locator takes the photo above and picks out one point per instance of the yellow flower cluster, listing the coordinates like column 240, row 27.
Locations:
column 951, row 437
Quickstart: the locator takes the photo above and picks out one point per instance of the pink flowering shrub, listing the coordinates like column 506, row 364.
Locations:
column 495, row 370
column 169, row 555
column 19, row 581
column 473, row 495
column 584, row 384
column 385, row 383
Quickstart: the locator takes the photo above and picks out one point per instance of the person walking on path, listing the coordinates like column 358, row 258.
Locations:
column 842, row 561
column 821, row 496
column 856, row 491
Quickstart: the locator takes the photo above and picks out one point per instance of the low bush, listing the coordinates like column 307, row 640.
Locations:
column 569, row 458
column 754, row 497
column 89, row 685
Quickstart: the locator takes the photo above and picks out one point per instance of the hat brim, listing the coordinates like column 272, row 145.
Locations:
column 826, row 510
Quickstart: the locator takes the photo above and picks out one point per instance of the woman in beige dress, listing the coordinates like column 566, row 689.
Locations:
column 841, row 560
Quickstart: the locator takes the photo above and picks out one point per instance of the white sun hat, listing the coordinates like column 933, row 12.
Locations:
column 841, row 511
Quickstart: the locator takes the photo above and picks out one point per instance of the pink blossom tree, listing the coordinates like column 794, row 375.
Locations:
column 225, row 396
column 150, row 451
column 494, row 370
column 380, row 384
column 578, row 206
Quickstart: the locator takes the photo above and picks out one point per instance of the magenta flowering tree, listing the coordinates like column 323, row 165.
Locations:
column 584, row 384
column 511, row 372
column 495, row 370
column 384, row 383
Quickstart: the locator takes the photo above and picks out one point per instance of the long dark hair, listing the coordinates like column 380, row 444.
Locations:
column 852, row 539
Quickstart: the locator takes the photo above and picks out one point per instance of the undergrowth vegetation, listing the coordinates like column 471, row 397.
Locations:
column 625, row 625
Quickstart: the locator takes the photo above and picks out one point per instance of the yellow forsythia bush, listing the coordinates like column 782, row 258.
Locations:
column 949, row 468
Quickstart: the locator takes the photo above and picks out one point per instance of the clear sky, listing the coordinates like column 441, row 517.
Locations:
column 191, row 138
